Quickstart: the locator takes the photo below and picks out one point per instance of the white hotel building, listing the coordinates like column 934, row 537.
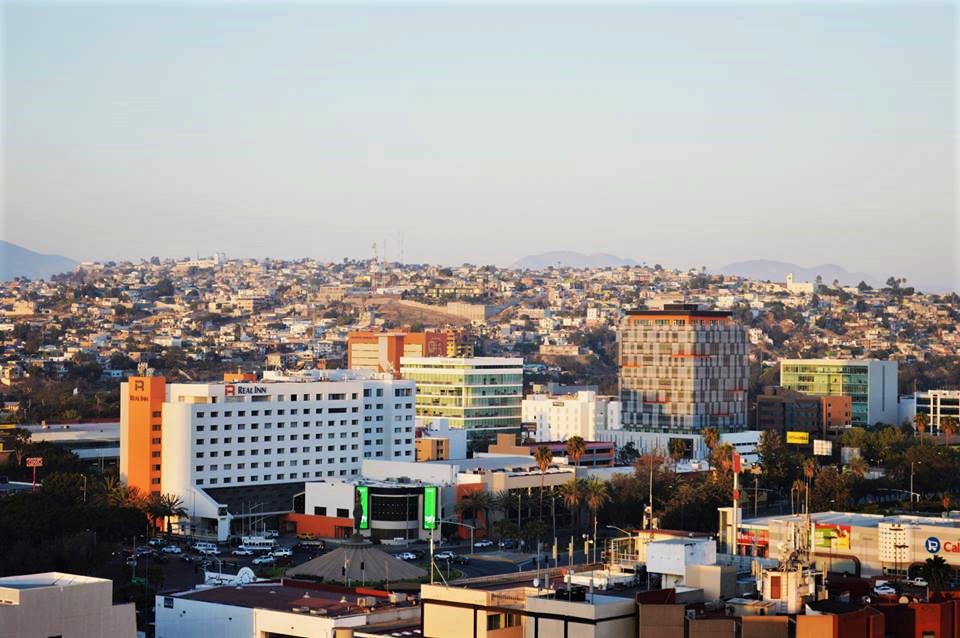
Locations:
column 246, row 449
column 581, row 414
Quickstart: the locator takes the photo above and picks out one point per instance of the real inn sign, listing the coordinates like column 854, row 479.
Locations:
column 235, row 389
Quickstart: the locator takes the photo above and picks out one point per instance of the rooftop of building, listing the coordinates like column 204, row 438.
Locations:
column 855, row 519
column 679, row 309
column 65, row 432
column 294, row 597
column 47, row 579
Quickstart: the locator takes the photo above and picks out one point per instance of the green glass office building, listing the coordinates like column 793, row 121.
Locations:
column 871, row 385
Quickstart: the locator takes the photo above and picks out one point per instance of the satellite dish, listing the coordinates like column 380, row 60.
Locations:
column 246, row 575
column 903, row 600
column 536, row 582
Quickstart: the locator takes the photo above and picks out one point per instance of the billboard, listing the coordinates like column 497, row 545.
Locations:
column 822, row 448
column 431, row 502
column 802, row 438
column 831, row 536
column 363, row 495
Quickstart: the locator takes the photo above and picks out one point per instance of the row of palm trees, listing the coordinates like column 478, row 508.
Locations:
column 948, row 424
column 157, row 507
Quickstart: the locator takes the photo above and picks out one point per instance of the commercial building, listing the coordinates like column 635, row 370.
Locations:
column 786, row 410
column 481, row 395
column 286, row 608
column 682, row 369
column 437, row 441
column 382, row 351
column 245, row 449
column 871, row 385
column 389, row 509
column 596, row 453
column 561, row 417
column 936, row 404
column 65, row 605
column 860, row 544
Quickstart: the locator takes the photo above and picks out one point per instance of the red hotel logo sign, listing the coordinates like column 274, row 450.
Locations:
column 232, row 389
column 35, row 461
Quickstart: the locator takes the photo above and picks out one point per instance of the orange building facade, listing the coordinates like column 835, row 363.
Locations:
column 381, row 351
column 141, row 432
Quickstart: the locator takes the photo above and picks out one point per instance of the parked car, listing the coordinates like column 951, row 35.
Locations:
column 407, row 556
column 884, row 590
column 242, row 551
column 282, row 552
column 272, row 533
column 208, row 551
column 187, row 558
column 172, row 549
column 461, row 560
column 144, row 551
column 443, row 556
column 918, row 582
column 155, row 542
column 264, row 560
column 507, row 543
column 481, row 544
column 131, row 562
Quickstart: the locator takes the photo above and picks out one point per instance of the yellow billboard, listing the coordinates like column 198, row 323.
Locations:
column 803, row 438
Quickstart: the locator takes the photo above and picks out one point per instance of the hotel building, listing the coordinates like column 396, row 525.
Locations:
column 245, row 448
column 871, row 385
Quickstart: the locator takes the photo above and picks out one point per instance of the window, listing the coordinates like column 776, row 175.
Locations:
column 155, row 455
column 342, row 512
column 493, row 621
column 319, row 511
column 199, row 468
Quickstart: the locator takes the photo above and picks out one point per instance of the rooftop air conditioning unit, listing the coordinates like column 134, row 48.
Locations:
column 396, row 598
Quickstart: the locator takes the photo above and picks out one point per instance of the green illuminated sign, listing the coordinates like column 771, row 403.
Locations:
column 430, row 494
column 363, row 495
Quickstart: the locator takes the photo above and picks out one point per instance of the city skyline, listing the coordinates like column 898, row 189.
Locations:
column 484, row 134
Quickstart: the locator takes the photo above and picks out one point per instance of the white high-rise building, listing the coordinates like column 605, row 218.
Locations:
column 246, row 448
column 581, row 414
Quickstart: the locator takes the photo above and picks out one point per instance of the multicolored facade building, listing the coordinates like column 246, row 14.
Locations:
column 871, row 385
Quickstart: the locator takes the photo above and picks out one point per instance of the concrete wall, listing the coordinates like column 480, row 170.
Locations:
column 764, row 627
column 197, row 619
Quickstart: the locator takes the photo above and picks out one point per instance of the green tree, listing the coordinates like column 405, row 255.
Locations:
column 937, row 572
column 543, row 457
column 949, row 426
column 830, row 491
column 920, row 421
column 711, row 437
column 595, row 495
column 572, row 493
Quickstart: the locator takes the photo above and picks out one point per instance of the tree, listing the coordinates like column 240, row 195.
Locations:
column 572, row 493
column 170, row 506
column 949, row 426
column 543, row 457
column 676, row 448
column 711, row 437
column 830, row 491
column 576, row 448
column 21, row 439
column 920, row 421
column 858, row 467
column 628, row 453
column 475, row 503
column 937, row 573
column 595, row 495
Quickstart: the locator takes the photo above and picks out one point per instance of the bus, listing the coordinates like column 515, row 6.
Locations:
column 257, row 544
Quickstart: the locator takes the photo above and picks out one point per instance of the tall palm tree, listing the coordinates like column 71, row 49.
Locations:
column 576, row 448
column 711, row 437
column 543, row 457
column 920, row 421
column 676, row 448
column 595, row 494
column 797, row 488
column 474, row 503
column 945, row 500
column 572, row 494
column 949, row 426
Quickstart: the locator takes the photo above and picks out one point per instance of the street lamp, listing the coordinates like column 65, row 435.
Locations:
column 912, row 463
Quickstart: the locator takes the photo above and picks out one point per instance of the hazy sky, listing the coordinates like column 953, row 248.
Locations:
column 685, row 134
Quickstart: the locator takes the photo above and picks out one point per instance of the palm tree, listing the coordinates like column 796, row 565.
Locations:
column 798, row 487
column 576, row 448
column 595, row 494
column 945, row 501
column 543, row 457
column 475, row 502
column 809, row 468
column 858, row 467
column 920, row 421
column 937, row 572
column 171, row 506
column 711, row 437
column 949, row 426
column 572, row 493
column 676, row 447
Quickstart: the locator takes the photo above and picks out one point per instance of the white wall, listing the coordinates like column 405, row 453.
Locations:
column 330, row 494
column 197, row 619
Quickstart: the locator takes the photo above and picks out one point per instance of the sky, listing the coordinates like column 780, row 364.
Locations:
column 675, row 133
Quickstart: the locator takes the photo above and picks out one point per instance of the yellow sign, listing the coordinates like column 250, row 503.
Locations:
column 803, row 438
column 8, row 426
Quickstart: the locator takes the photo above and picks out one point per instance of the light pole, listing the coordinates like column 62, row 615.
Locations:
column 912, row 463
column 629, row 535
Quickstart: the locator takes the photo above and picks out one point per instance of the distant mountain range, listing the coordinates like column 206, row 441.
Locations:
column 766, row 270
column 571, row 259
column 17, row 261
